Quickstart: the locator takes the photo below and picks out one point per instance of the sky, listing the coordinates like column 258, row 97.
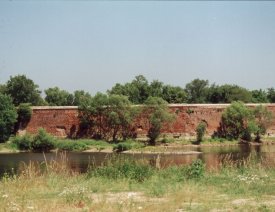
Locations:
column 92, row 45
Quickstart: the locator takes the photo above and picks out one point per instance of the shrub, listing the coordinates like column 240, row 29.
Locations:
column 43, row 142
column 120, row 167
column 200, row 130
column 70, row 145
column 237, row 121
column 8, row 117
column 158, row 113
column 196, row 169
column 120, row 147
column 24, row 112
column 23, row 142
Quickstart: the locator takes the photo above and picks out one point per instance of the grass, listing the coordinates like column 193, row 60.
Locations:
column 119, row 185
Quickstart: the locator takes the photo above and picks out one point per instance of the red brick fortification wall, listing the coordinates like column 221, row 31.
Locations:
column 64, row 122
column 59, row 121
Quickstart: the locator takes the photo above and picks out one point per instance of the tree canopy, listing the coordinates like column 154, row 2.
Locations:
column 23, row 90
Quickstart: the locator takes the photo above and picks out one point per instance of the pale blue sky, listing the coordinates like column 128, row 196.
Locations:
column 92, row 45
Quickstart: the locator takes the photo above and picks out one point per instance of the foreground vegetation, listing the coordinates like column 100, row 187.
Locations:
column 126, row 185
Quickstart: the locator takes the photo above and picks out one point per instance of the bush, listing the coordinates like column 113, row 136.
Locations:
column 196, row 169
column 200, row 130
column 69, row 145
column 24, row 112
column 127, row 145
column 23, row 142
column 237, row 121
column 120, row 167
column 43, row 142
column 8, row 117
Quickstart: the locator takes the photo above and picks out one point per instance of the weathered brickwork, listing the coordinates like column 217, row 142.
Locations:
column 63, row 121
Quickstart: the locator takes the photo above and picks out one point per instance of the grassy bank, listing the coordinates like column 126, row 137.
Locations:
column 126, row 185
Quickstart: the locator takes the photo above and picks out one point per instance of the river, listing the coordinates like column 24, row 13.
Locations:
column 213, row 156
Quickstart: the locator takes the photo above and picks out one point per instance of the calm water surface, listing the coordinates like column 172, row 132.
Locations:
column 212, row 156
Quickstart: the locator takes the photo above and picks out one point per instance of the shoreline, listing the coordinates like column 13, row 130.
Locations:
column 158, row 149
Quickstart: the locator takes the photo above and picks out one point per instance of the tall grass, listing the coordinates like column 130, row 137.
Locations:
column 123, row 184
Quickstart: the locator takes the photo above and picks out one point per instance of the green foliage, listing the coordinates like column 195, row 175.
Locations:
column 200, row 130
column 227, row 94
column 24, row 112
column 196, row 91
column 81, row 97
column 108, row 116
column 196, row 169
column 57, row 97
column 259, row 96
column 23, row 90
column 238, row 121
column 23, row 142
column 127, row 145
column 43, row 142
column 140, row 89
column 123, row 168
column 271, row 95
column 235, row 121
column 71, row 145
column 263, row 119
column 8, row 117
column 157, row 112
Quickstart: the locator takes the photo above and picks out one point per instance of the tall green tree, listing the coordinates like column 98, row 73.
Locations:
column 227, row 94
column 271, row 95
column 157, row 112
column 259, row 96
column 237, row 121
column 173, row 94
column 8, row 117
column 263, row 119
column 196, row 91
column 81, row 96
column 23, row 90
column 108, row 117
column 57, row 97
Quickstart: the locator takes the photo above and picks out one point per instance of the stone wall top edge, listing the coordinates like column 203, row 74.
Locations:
column 170, row 105
column 54, row 107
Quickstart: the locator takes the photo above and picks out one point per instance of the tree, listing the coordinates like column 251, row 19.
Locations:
column 108, row 116
column 24, row 112
column 259, row 96
column 23, row 90
column 200, row 130
column 80, row 96
column 137, row 91
column 57, row 97
column 119, row 116
column 271, row 95
column 8, row 117
column 196, row 91
column 263, row 119
column 173, row 94
column 156, row 88
column 227, row 94
column 157, row 112
column 237, row 122
column 2, row 89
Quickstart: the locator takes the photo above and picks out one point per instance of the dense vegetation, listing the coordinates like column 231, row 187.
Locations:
column 23, row 90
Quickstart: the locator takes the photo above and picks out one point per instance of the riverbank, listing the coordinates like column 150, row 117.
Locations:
column 137, row 186
column 136, row 146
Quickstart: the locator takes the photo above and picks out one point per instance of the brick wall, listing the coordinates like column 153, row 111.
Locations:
column 63, row 121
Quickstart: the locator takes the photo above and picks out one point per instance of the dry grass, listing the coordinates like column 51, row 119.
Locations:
column 52, row 186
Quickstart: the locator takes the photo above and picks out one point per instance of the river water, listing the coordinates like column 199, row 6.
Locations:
column 213, row 156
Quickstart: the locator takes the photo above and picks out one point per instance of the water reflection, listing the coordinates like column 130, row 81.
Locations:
column 213, row 156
